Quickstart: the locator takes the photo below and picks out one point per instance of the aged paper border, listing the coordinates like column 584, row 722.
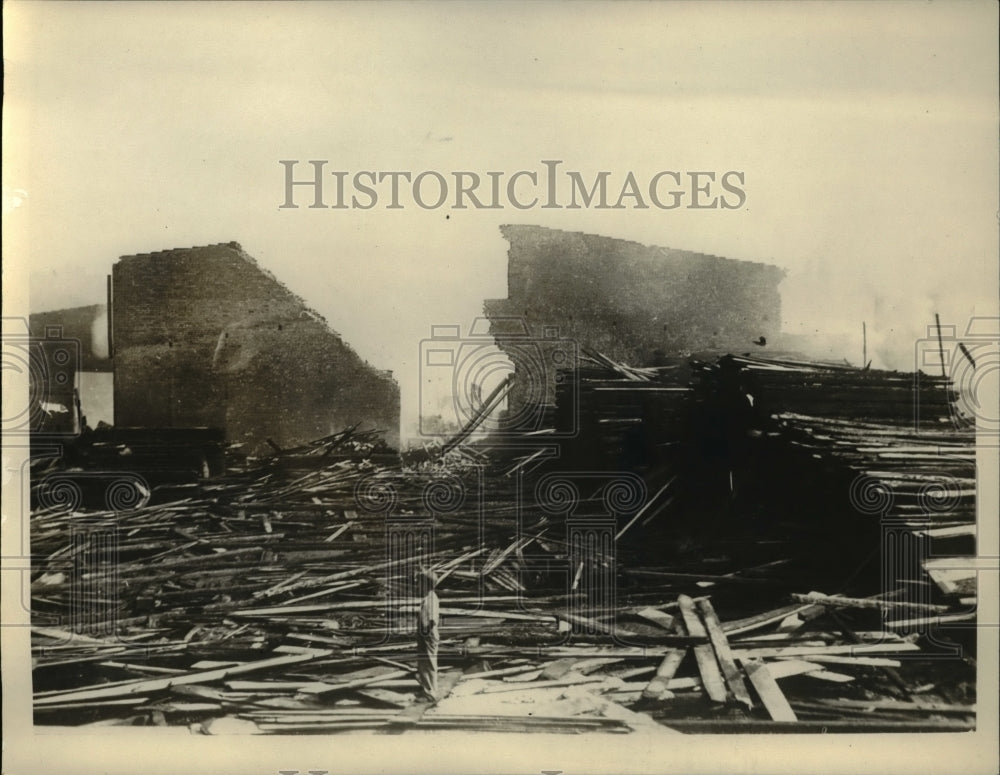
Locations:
column 28, row 749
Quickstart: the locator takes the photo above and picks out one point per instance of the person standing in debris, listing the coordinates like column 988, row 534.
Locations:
column 428, row 635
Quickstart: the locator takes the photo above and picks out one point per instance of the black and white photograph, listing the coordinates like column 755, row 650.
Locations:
column 474, row 387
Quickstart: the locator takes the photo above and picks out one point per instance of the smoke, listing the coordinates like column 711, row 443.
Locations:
column 99, row 335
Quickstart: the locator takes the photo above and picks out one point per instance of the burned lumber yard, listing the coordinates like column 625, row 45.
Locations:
column 652, row 514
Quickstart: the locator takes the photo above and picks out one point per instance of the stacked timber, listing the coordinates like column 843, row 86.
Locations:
column 280, row 598
column 894, row 443
column 629, row 417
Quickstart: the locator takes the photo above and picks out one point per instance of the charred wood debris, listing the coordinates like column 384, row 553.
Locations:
column 780, row 555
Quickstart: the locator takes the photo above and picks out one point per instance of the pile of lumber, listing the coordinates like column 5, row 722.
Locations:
column 897, row 441
column 265, row 603
column 270, row 537
column 280, row 598
column 619, row 415
column 802, row 665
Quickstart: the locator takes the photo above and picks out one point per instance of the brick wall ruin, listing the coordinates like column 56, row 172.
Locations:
column 203, row 337
column 634, row 303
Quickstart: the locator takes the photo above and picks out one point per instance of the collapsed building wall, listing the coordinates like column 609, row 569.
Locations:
column 203, row 337
column 634, row 303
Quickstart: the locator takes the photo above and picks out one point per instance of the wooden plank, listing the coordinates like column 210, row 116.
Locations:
column 645, row 507
column 490, row 566
column 592, row 624
column 635, row 720
column 557, row 669
column 925, row 621
column 893, row 674
column 447, row 682
column 207, row 693
column 408, row 717
column 588, row 666
column 412, row 715
column 785, row 668
column 159, row 684
column 767, row 689
column 711, row 678
column 899, row 705
column 750, row 623
column 127, row 701
column 856, row 661
column 319, row 688
column 829, row 675
column 336, row 533
column 776, row 638
column 571, row 679
column 482, row 613
column 797, row 620
column 805, row 651
column 664, row 620
column 266, row 686
column 876, row 603
column 143, row 668
column 635, row 671
column 534, row 675
column 500, row 672
column 724, row 655
column 67, row 636
column 666, row 670
column 689, row 682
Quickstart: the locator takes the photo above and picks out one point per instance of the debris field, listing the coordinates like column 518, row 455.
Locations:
column 728, row 544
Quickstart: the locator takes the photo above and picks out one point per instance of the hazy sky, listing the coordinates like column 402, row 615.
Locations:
column 867, row 134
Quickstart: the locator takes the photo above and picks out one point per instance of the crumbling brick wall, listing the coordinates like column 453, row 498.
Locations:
column 203, row 337
column 634, row 303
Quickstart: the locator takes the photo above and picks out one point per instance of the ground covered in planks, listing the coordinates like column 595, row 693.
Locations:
column 280, row 597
